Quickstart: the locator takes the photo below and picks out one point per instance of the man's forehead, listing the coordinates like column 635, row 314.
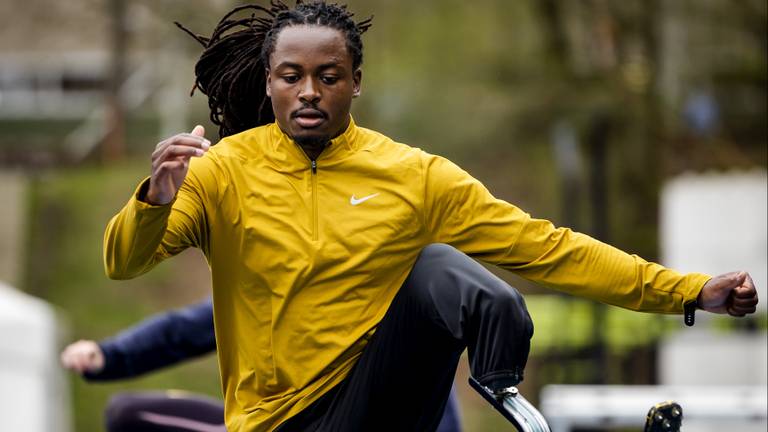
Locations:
column 310, row 38
column 314, row 46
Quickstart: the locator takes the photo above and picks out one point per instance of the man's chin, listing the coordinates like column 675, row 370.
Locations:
column 311, row 141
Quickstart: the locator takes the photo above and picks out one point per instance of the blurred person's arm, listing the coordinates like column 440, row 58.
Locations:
column 156, row 342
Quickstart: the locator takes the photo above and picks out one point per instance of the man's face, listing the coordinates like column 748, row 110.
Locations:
column 311, row 83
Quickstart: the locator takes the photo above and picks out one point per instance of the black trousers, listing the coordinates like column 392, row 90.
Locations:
column 403, row 378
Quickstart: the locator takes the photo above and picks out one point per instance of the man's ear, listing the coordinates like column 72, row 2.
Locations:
column 357, row 79
column 268, row 81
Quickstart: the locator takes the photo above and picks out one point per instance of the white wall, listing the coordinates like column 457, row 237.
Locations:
column 716, row 223
column 33, row 392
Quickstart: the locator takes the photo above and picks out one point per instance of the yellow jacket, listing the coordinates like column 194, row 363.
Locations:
column 305, row 262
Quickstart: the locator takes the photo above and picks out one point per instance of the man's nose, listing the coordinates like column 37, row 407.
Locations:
column 309, row 92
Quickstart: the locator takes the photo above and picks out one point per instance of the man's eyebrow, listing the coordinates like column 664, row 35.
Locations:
column 291, row 65
column 330, row 64
column 285, row 65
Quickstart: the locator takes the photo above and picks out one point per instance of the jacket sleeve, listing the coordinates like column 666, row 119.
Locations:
column 159, row 341
column 142, row 235
column 460, row 211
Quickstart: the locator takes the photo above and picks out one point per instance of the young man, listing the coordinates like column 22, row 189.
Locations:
column 157, row 342
column 343, row 290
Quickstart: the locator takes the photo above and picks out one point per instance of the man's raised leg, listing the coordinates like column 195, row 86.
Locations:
column 449, row 302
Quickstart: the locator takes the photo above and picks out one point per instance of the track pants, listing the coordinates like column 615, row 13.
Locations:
column 403, row 378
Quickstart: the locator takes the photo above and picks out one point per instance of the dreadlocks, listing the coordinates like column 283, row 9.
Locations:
column 231, row 70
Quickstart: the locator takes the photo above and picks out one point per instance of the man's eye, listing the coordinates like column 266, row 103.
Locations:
column 329, row 79
column 290, row 78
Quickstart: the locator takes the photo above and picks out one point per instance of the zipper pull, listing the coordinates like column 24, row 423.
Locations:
column 314, row 166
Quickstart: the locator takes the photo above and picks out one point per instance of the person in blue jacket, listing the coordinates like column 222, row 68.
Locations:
column 163, row 340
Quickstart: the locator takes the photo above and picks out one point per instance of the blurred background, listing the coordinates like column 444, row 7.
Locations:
column 640, row 122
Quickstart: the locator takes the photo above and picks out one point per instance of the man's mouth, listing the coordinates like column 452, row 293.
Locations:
column 308, row 118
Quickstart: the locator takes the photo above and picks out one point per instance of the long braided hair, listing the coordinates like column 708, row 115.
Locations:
column 232, row 68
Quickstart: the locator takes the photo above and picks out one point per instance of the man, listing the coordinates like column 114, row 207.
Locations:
column 157, row 342
column 342, row 293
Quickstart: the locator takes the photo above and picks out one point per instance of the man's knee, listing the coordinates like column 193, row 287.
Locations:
column 436, row 253
column 508, row 300
column 438, row 272
column 442, row 272
column 438, row 260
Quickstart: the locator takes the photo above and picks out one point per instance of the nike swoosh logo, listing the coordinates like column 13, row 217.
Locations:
column 354, row 201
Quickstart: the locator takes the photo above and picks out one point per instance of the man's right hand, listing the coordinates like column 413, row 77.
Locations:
column 170, row 163
column 83, row 356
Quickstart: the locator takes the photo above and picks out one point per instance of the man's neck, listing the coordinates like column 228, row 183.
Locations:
column 313, row 151
column 312, row 147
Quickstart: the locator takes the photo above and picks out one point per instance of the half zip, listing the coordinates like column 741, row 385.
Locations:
column 315, row 235
column 313, row 181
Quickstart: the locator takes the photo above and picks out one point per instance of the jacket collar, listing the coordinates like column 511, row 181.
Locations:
column 342, row 144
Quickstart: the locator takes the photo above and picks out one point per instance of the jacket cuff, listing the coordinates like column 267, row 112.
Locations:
column 694, row 283
column 139, row 197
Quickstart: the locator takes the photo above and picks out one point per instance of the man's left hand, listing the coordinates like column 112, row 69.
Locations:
column 732, row 293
